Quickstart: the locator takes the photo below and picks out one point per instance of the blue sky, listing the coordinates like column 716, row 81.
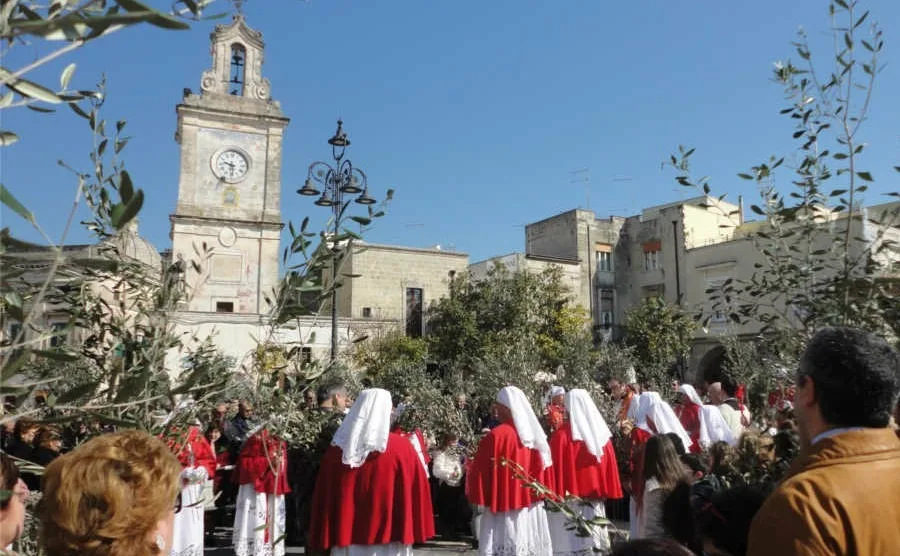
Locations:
column 475, row 112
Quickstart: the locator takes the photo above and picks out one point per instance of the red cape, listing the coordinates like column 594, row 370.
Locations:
column 386, row 500
column 254, row 464
column 689, row 415
column 193, row 442
column 639, row 437
column 576, row 471
column 493, row 485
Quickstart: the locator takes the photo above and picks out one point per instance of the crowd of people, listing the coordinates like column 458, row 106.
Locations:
column 815, row 474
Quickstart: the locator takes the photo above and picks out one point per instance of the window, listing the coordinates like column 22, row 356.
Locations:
column 58, row 339
column 224, row 307
column 652, row 260
column 238, row 63
column 14, row 329
column 604, row 257
column 604, row 261
column 309, row 301
column 607, row 297
column 414, row 312
column 305, row 355
column 718, row 314
column 367, row 312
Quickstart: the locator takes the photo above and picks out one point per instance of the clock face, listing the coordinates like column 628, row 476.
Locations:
column 231, row 165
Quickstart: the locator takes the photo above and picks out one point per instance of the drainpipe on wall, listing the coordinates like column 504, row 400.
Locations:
column 590, row 274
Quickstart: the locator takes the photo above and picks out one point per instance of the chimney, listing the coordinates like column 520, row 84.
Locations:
column 740, row 210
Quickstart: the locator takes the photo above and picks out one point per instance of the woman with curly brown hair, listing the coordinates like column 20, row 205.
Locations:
column 115, row 495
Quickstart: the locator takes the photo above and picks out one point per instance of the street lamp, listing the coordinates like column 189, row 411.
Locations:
column 336, row 179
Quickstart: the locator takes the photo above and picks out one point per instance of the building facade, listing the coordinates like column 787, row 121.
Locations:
column 678, row 251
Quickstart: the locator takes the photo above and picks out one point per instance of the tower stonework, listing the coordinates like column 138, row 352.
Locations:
column 228, row 216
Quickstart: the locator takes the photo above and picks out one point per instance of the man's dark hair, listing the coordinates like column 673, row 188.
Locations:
column 326, row 391
column 729, row 385
column 678, row 518
column 725, row 519
column 697, row 463
column 679, row 444
column 651, row 547
column 856, row 376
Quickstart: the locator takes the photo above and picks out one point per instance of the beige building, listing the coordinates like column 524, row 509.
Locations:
column 396, row 284
column 226, row 230
column 677, row 251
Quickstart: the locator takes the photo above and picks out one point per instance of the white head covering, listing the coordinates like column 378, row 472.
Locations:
column 713, row 427
column 587, row 423
column 366, row 428
column 691, row 393
column 651, row 405
column 527, row 426
column 557, row 391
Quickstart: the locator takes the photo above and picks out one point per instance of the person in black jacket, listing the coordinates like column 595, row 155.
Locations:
column 22, row 448
column 47, row 447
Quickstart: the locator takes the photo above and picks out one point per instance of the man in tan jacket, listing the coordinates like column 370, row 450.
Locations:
column 842, row 494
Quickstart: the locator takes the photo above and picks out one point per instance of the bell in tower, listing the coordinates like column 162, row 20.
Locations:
column 237, row 52
column 229, row 187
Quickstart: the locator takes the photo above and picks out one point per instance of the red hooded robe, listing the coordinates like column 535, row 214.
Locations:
column 192, row 442
column 255, row 464
column 689, row 414
column 493, row 485
column 386, row 500
column 576, row 471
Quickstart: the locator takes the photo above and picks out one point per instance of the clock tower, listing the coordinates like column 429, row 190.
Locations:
column 228, row 216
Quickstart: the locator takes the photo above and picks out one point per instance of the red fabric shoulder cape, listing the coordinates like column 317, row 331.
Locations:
column 192, row 442
column 254, row 464
column 386, row 500
column 689, row 415
column 576, row 470
column 493, row 485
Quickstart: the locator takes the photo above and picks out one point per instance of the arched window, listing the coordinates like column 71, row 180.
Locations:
column 238, row 63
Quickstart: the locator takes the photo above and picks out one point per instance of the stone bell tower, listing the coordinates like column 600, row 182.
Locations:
column 228, row 216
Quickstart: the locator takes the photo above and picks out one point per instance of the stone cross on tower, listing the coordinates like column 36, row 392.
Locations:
column 238, row 6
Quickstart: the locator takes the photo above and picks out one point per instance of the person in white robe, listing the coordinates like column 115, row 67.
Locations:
column 514, row 520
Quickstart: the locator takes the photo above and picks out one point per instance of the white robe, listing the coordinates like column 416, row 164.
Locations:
column 524, row 532
column 392, row 549
column 566, row 543
column 187, row 529
column 252, row 525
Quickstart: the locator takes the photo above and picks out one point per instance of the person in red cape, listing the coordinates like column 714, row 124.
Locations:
column 688, row 411
column 585, row 466
column 513, row 520
column 198, row 463
column 371, row 496
column 555, row 410
column 651, row 416
column 259, row 517
column 415, row 437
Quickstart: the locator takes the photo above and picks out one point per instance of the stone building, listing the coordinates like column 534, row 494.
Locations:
column 676, row 251
column 227, row 223
column 396, row 284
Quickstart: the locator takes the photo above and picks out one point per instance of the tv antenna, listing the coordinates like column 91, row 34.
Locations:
column 583, row 175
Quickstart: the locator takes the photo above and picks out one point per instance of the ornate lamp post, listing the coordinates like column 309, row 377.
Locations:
column 336, row 179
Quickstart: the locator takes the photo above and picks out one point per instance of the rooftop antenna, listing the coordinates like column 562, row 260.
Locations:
column 583, row 175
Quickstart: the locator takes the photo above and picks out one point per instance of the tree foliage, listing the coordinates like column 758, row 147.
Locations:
column 660, row 335
column 825, row 260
